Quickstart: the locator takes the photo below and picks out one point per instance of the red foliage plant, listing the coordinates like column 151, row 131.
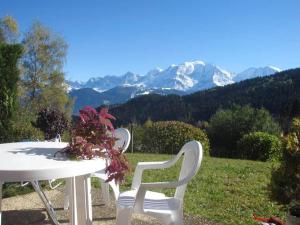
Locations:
column 93, row 136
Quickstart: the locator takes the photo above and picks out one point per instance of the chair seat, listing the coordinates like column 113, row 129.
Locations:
column 154, row 202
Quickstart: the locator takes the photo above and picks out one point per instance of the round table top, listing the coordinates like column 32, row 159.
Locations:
column 28, row 161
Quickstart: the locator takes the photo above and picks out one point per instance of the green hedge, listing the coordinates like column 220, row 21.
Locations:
column 138, row 137
column 169, row 137
column 9, row 77
column 259, row 146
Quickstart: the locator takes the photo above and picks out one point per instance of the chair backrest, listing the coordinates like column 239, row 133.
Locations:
column 123, row 138
column 191, row 162
column 56, row 139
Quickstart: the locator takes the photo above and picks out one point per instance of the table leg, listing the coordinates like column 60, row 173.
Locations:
column 1, row 183
column 80, row 198
column 73, row 202
column 88, row 200
column 80, row 201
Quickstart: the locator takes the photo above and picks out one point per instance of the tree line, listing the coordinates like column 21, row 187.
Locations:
column 279, row 94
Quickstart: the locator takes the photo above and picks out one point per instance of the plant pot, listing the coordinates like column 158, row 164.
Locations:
column 292, row 220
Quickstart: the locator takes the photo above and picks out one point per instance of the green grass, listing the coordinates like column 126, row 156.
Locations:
column 224, row 190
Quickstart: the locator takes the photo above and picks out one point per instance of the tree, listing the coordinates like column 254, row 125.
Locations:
column 227, row 127
column 9, row 76
column 43, row 78
column 9, row 30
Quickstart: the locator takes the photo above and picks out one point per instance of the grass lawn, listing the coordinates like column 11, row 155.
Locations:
column 224, row 190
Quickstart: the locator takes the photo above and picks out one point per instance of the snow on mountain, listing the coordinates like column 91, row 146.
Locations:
column 256, row 72
column 179, row 79
column 188, row 76
column 101, row 84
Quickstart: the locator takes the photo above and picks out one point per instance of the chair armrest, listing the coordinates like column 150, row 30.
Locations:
column 152, row 165
column 170, row 184
column 141, row 166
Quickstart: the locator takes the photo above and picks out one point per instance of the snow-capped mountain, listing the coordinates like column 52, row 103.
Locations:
column 195, row 75
column 188, row 76
column 256, row 72
column 176, row 79
column 101, row 84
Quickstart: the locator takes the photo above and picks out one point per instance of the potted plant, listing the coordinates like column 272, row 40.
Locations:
column 293, row 216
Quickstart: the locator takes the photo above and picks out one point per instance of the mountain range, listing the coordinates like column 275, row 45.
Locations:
column 181, row 79
column 278, row 93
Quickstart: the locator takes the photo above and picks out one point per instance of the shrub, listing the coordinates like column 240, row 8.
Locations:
column 259, row 146
column 52, row 122
column 169, row 136
column 23, row 130
column 22, row 127
column 286, row 179
column 227, row 127
column 137, row 137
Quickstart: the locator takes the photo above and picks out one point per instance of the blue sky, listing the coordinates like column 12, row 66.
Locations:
column 113, row 37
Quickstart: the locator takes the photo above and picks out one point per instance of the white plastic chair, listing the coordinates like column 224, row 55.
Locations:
column 123, row 140
column 169, row 210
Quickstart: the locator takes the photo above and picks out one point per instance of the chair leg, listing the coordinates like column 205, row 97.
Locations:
column 115, row 188
column 176, row 218
column 47, row 203
column 105, row 192
column 1, row 183
column 124, row 216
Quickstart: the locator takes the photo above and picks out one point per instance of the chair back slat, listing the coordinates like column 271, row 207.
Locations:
column 192, row 157
column 123, row 138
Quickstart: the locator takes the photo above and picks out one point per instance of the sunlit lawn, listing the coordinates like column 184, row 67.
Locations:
column 225, row 190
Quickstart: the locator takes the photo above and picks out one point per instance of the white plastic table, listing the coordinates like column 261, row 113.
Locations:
column 34, row 161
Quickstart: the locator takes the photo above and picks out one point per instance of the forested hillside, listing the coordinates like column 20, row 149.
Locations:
column 279, row 93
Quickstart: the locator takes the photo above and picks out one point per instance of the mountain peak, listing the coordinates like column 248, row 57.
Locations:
column 274, row 68
column 189, row 76
column 253, row 72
